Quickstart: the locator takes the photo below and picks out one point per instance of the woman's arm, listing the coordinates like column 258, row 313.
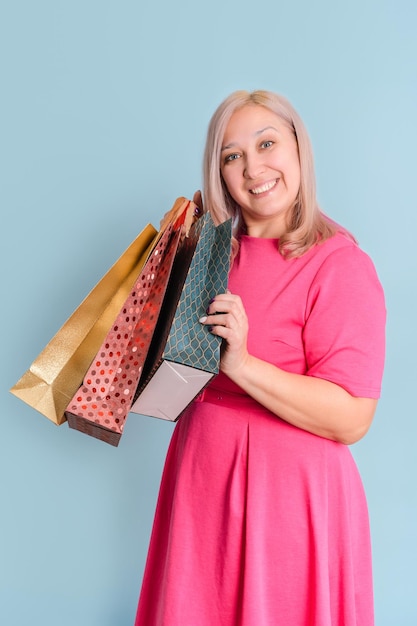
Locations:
column 313, row 404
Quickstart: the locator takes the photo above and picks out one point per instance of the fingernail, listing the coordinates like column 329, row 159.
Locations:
column 202, row 319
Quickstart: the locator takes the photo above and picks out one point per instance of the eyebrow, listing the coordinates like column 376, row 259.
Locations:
column 256, row 134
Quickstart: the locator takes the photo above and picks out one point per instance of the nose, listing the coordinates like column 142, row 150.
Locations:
column 254, row 166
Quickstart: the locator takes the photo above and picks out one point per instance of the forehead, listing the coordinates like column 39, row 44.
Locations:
column 251, row 120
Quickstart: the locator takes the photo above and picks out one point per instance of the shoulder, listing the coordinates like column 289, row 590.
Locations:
column 338, row 243
column 340, row 253
column 344, row 271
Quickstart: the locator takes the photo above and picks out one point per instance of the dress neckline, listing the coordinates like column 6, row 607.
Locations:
column 251, row 238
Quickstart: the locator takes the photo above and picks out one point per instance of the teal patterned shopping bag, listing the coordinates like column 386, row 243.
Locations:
column 185, row 356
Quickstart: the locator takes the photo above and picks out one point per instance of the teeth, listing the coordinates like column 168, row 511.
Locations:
column 264, row 188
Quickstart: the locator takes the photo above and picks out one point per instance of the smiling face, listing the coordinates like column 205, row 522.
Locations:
column 261, row 169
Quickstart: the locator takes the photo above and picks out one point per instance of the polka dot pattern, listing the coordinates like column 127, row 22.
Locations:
column 108, row 388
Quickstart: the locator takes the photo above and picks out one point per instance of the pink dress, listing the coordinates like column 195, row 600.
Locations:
column 260, row 523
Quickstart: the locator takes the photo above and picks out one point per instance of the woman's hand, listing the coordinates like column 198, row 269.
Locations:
column 227, row 319
column 193, row 213
column 198, row 200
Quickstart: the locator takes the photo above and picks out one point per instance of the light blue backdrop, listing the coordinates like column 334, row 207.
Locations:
column 104, row 107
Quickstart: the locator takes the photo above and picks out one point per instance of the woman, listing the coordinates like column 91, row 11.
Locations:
column 262, row 519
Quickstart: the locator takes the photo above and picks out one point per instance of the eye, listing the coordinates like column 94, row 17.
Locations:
column 231, row 157
column 267, row 144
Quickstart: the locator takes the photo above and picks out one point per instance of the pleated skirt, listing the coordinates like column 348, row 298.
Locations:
column 258, row 523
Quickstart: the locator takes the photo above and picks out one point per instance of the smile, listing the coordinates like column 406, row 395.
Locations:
column 263, row 188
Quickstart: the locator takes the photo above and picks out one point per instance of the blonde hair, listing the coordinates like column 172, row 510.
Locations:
column 307, row 225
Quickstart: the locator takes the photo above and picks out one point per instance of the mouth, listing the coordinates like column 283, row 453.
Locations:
column 263, row 188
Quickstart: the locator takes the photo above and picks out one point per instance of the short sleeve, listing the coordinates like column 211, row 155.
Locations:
column 344, row 333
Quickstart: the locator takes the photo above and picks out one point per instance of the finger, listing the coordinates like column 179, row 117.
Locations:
column 197, row 199
column 225, row 297
column 218, row 319
column 226, row 303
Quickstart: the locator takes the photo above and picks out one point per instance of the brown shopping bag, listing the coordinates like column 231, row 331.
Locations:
column 56, row 374
column 100, row 407
column 184, row 356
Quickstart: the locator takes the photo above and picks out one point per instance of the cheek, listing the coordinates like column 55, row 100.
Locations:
column 229, row 180
column 294, row 172
column 297, row 177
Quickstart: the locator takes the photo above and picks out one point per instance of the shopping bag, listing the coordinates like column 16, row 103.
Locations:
column 58, row 370
column 184, row 356
column 100, row 406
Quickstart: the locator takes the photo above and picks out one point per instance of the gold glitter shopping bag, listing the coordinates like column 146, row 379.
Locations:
column 58, row 371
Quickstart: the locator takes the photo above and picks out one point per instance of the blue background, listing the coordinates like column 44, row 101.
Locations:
column 104, row 109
